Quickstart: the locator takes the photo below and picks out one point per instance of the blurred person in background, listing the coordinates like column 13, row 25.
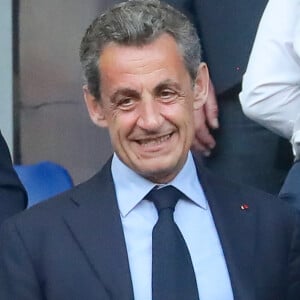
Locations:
column 271, row 85
column 13, row 197
column 233, row 145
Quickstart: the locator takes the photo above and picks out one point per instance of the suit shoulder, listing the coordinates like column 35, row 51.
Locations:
column 50, row 210
column 244, row 193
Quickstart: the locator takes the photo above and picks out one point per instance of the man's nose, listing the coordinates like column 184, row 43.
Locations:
column 150, row 117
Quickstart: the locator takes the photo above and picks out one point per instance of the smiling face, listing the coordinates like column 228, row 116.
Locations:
column 147, row 103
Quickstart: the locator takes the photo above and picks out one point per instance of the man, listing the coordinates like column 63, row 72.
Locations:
column 271, row 90
column 233, row 146
column 13, row 197
column 144, row 79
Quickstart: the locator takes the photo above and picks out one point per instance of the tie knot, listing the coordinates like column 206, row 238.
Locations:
column 165, row 197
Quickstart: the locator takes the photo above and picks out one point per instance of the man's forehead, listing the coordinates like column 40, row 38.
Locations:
column 161, row 55
column 134, row 51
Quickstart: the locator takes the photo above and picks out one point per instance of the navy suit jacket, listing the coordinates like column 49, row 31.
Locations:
column 227, row 30
column 73, row 246
column 13, row 197
column 290, row 190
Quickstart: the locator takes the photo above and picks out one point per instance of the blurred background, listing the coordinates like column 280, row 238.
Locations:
column 42, row 111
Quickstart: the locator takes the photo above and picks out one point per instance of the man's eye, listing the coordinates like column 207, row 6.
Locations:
column 126, row 103
column 167, row 94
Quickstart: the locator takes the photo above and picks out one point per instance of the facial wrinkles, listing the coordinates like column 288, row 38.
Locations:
column 152, row 124
column 145, row 93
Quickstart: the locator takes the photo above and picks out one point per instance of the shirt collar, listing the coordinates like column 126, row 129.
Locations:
column 131, row 188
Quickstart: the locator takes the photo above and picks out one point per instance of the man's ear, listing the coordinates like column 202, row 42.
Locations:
column 201, row 85
column 94, row 108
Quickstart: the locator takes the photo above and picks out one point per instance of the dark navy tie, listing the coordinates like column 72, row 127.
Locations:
column 173, row 276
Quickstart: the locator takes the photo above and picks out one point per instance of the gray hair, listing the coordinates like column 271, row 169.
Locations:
column 137, row 23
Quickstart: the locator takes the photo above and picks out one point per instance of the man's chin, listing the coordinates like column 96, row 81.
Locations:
column 157, row 171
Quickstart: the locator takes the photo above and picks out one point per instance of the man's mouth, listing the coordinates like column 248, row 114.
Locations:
column 154, row 141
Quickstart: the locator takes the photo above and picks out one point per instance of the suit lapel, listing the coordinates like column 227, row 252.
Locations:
column 96, row 226
column 236, row 228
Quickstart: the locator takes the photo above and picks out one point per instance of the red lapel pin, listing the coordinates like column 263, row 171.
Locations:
column 244, row 206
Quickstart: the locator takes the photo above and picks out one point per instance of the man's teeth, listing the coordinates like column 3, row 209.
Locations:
column 156, row 141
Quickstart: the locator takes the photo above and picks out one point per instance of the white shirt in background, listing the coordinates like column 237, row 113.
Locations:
column 271, row 85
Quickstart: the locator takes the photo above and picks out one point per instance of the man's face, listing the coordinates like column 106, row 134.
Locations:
column 147, row 103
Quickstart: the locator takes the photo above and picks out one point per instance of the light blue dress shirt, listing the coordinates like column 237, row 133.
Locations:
column 193, row 217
